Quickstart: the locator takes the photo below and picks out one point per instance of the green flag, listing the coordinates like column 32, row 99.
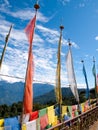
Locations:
column 4, row 49
column 94, row 74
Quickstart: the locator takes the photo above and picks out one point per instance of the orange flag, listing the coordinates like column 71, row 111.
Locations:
column 29, row 30
column 28, row 92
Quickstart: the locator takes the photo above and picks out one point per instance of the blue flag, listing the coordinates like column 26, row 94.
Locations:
column 85, row 75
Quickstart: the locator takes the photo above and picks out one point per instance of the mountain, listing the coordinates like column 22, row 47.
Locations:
column 43, row 93
column 50, row 96
column 13, row 92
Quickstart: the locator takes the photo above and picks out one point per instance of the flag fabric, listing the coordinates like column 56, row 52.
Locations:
column 4, row 49
column 28, row 92
column 94, row 74
column 58, row 73
column 12, row 122
column 1, row 122
column 29, row 30
column 94, row 70
column 71, row 75
column 85, row 75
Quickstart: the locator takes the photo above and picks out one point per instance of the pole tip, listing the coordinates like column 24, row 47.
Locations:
column 69, row 42
column 36, row 6
column 82, row 61
column 93, row 59
column 61, row 27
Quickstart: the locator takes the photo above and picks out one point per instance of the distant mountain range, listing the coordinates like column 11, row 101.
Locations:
column 13, row 92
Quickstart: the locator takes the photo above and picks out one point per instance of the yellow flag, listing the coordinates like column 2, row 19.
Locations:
column 58, row 73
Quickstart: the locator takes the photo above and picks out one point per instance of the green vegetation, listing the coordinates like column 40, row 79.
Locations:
column 16, row 108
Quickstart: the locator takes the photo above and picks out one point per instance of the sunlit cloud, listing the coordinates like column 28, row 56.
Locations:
column 6, row 2
column 64, row 2
column 96, row 38
column 81, row 5
column 29, row 14
column 45, row 56
column 81, row 85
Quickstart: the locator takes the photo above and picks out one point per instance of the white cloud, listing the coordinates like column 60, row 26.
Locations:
column 81, row 85
column 6, row 2
column 64, row 2
column 75, row 45
column 45, row 55
column 47, row 30
column 72, row 43
column 81, row 5
column 96, row 49
column 29, row 14
column 96, row 38
column 6, row 69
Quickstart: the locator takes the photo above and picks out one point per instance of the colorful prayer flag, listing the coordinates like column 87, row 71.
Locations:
column 87, row 89
column 28, row 93
column 58, row 91
column 71, row 75
column 29, row 30
column 94, row 74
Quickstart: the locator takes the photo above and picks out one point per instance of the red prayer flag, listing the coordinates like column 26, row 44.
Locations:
column 43, row 121
column 28, row 92
column 29, row 30
column 33, row 115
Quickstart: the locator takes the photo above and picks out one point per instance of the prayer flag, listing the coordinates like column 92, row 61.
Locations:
column 29, row 30
column 85, row 75
column 28, row 93
column 71, row 75
column 58, row 74
column 94, row 74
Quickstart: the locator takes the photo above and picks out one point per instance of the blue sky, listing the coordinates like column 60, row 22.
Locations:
column 80, row 21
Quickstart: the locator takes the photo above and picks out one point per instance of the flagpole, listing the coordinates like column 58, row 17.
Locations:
column 4, row 49
column 30, row 56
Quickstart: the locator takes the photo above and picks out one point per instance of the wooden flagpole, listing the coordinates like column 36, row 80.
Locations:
column 4, row 49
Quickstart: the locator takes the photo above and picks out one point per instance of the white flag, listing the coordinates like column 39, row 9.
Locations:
column 71, row 75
